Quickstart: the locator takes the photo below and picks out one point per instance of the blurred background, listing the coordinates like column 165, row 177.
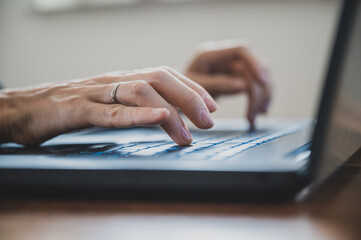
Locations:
column 52, row 40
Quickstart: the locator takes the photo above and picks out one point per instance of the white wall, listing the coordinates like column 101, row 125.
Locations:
column 294, row 36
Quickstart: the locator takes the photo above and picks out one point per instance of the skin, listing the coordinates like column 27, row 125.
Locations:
column 229, row 67
column 151, row 96
column 145, row 97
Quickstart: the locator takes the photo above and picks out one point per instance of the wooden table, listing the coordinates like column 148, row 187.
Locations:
column 334, row 212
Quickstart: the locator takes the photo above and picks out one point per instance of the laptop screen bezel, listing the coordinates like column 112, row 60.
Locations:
column 331, row 84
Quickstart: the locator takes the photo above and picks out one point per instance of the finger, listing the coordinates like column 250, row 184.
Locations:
column 253, row 65
column 266, row 75
column 256, row 93
column 220, row 84
column 140, row 93
column 174, row 91
column 256, row 98
column 113, row 77
column 234, row 50
column 213, row 50
column 264, row 92
column 116, row 115
column 179, row 95
column 210, row 102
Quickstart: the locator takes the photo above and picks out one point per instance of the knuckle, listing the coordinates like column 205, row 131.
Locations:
column 242, row 49
column 197, row 87
column 167, row 68
column 192, row 96
column 141, row 88
column 111, row 111
column 173, row 111
column 58, row 88
column 244, row 43
column 73, row 101
column 160, row 74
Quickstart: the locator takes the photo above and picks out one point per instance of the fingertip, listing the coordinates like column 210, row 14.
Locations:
column 252, row 127
column 210, row 102
column 264, row 108
column 212, row 110
column 251, row 120
column 184, row 143
column 166, row 113
column 186, row 137
column 205, row 120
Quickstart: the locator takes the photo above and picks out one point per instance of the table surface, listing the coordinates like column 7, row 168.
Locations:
column 333, row 212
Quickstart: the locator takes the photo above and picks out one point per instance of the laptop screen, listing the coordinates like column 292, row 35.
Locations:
column 341, row 119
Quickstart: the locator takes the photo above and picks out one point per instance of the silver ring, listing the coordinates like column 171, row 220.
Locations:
column 113, row 94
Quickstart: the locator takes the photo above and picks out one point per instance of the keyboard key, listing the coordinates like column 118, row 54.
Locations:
column 152, row 150
column 234, row 150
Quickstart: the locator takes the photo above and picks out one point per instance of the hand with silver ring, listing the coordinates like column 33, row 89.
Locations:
column 115, row 100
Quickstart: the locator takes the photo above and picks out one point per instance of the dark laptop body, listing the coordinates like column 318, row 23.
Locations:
column 276, row 161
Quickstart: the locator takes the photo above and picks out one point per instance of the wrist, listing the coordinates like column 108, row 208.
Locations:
column 7, row 113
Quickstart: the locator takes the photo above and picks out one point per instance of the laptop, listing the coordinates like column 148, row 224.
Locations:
column 276, row 161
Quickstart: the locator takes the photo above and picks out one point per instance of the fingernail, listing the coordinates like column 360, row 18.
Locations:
column 206, row 118
column 158, row 111
column 186, row 136
column 211, row 104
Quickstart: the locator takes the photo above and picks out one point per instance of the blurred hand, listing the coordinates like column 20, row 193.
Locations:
column 145, row 97
column 228, row 67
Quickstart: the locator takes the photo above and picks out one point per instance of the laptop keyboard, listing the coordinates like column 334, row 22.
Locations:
column 206, row 145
